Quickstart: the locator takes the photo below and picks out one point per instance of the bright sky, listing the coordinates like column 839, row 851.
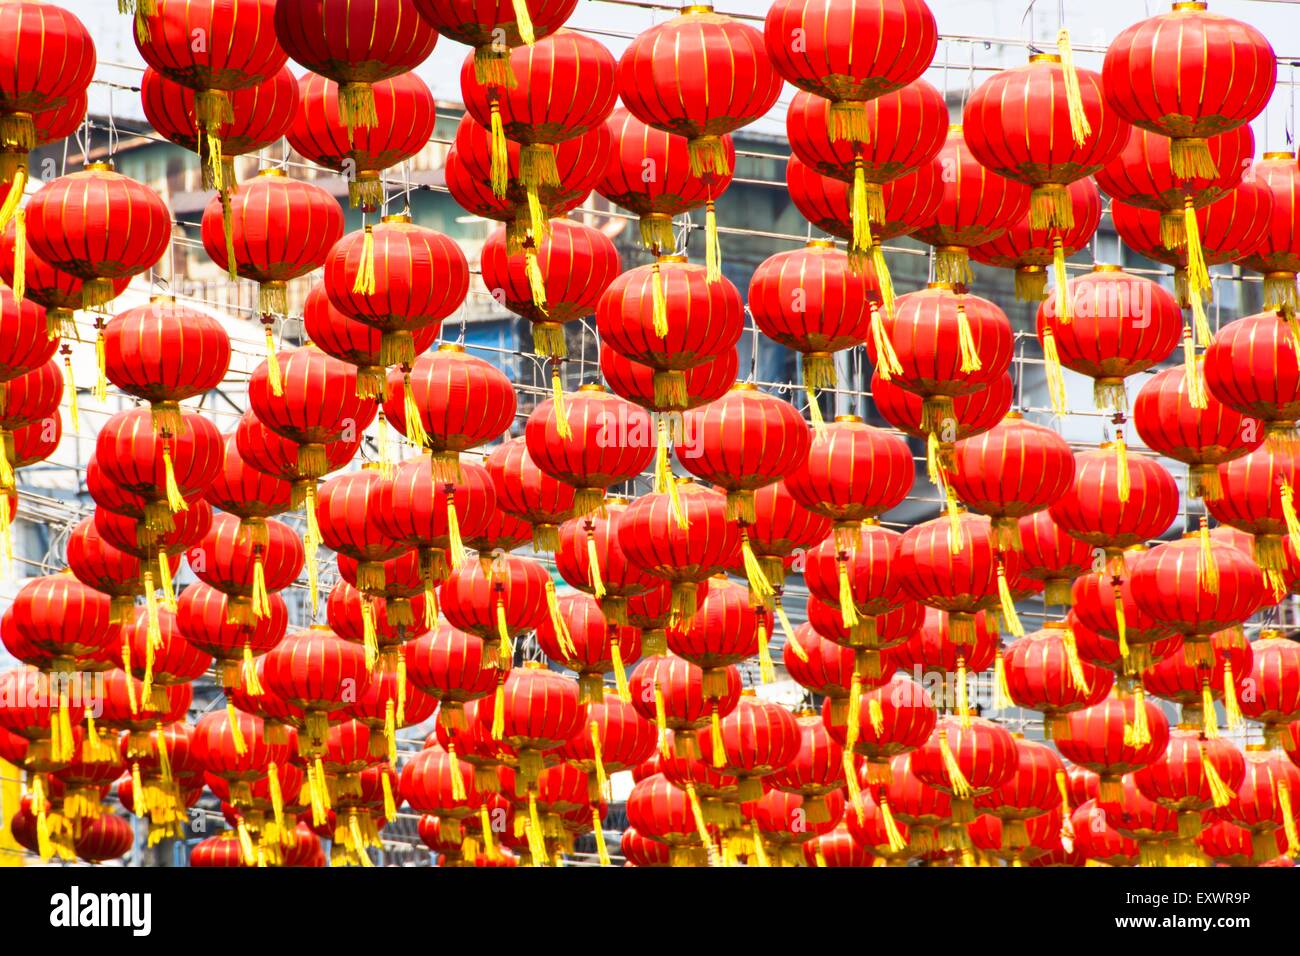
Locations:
column 1092, row 24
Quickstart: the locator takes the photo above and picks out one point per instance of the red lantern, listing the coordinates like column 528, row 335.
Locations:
column 1113, row 507
column 396, row 277
column 1188, row 74
column 67, row 228
column 451, row 666
column 536, row 710
column 1050, row 555
column 1252, row 367
column 260, row 115
column 1119, row 324
column 567, row 270
column 1045, row 672
column 978, row 204
column 1278, row 255
column 404, row 110
column 1031, row 252
column 1273, row 683
column 244, row 491
column 665, row 813
column 276, row 229
column 494, row 27
column 529, row 493
column 165, row 353
column 1034, row 788
column 321, row 674
column 1264, row 803
column 723, row 632
column 1046, row 124
column 596, row 440
column 816, row 771
column 909, row 201
column 1015, row 469
column 700, row 75
column 272, row 454
column 227, row 558
column 340, row 41
column 589, row 645
column 1193, row 774
column 966, row 760
column 684, row 552
column 348, row 510
column 674, row 189
column 456, row 401
column 615, row 738
column 892, row 719
column 496, row 600
column 1113, row 738
column 434, row 781
column 857, row 572
column 589, row 557
column 635, row 380
column 58, row 292
column 756, row 739
column 670, row 691
column 347, row 611
column 1196, row 587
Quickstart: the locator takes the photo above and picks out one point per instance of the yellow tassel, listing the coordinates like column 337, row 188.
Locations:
column 165, row 582
column 364, row 282
column 277, row 796
column 1209, row 717
column 1139, row 732
column 383, row 446
column 558, row 622
column 485, row 825
column 853, row 722
column 876, row 715
column 860, row 213
column 500, row 171
column 562, row 426
column 73, row 416
column 1289, row 513
column 1288, row 818
column 1207, row 569
column 146, row 689
column 1220, row 792
column 848, row 610
column 1121, row 468
column 1063, row 787
column 661, row 721
column 593, row 567
column 101, row 364
column 236, row 732
column 955, row 535
column 970, row 358
column 1062, row 291
column 1055, row 377
column 139, row 806
column 957, row 782
column 766, row 669
column 10, row 208
column 400, row 706
column 6, row 533
column 1196, row 395
column 963, row 701
column 499, row 709
column 415, row 432
column 815, row 413
column 786, row 629
column 620, row 672
column 507, row 652
column 715, row 738
column 369, row 632
column 248, row 672
column 1121, row 624
column 228, row 232
column 273, row 377
column 1198, row 274
column 523, row 22
column 712, row 247
column 760, row 589
column 535, row 832
column 1078, row 679
column 701, row 828
column 1080, row 128
column 895, row 837
column 1008, row 605
column 1231, row 707
column 132, row 701
column 261, row 599
column 457, row 782
column 598, row 828
column 887, row 298
column 19, row 287
column 37, row 787
column 536, row 281
column 659, row 301
column 602, row 779
column 760, row 852
column 456, row 542
column 1001, row 692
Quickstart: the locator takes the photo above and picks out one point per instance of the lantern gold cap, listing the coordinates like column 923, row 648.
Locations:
column 1279, row 154
column 591, row 387
column 954, row 127
column 101, row 166
column 820, row 244
column 1044, row 58
column 848, row 418
column 532, row 665
column 1188, row 6
column 273, row 171
column 1107, row 267
column 744, row 387
column 397, row 217
column 674, row 257
column 696, row 8
column 451, row 347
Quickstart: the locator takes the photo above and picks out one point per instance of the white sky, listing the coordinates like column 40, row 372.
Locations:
column 1092, row 23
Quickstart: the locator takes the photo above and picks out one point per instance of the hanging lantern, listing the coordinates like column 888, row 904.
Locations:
column 454, row 402
column 493, row 28
column 1264, row 803
column 1117, row 501
column 557, row 279
column 592, row 441
column 635, row 380
column 67, row 228
column 1015, row 469
column 246, row 570
column 252, row 240
column 817, row 770
column 665, row 813
column 723, row 632
column 892, row 719
column 1045, row 124
column 1032, row 252
column 319, row 673
column 318, row 130
column 930, row 651
column 1252, row 367
column 1046, row 671
column 1188, row 74
column 1103, row 738
column 673, row 189
column 249, row 494
column 1103, row 603
column 170, row 659
column 1192, row 775
column 1274, row 682
column 114, row 572
column 59, row 293
column 396, row 277
column 1278, row 255
column 497, row 600
column 537, row 710
column 966, row 762
column 671, row 691
column 955, row 566
column 588, row 644
column 348, row 512
column 1033, row 789
column 856, row 571
column 450, row 666
column 1197, row 587
column 978, row 205
column 700, row 75
column 259, row 116
column 165, row 353
column 1050, row 555
column 589, row 557
column 529, row 493
column 1195, row 685
column 203, row 616
column 758, row 738
column 272, row 454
